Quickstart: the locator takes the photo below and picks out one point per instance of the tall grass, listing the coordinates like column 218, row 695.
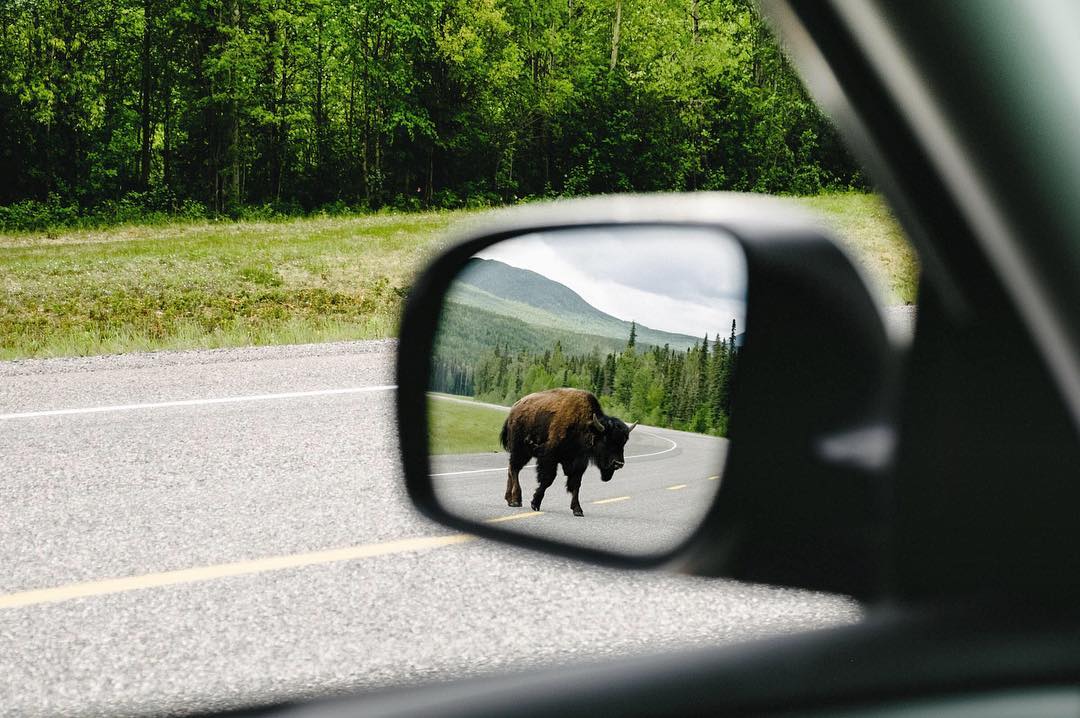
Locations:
column 210, row 285
column 199, row 284
column 866, row 225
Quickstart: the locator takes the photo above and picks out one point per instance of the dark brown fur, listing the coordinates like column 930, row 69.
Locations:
column 561, row 426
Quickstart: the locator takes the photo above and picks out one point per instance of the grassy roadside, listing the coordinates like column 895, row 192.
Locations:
column 210, row 284
column 867, row 227
column 204, row 284
column 457, row 428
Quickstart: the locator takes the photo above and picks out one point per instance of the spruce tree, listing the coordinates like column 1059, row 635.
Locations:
column 703, row 375
column 609, row 375
column 717, row 370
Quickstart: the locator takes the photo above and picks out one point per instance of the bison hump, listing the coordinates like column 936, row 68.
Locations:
column 562, row 415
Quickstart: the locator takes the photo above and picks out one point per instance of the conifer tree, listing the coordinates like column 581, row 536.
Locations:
column 717, row 379
column 688, row 389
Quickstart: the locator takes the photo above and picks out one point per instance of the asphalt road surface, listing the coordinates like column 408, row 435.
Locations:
column 650, row 505
column 198, row 530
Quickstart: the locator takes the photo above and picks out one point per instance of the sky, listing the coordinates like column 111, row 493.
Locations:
column 686, row 280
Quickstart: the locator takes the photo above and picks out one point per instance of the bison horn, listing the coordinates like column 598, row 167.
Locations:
column 597, row 424
column 632, row 427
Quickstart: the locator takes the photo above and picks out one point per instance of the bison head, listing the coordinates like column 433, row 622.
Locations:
column 611, row 436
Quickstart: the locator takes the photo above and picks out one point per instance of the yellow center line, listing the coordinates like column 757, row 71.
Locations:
column 261, row 565
column 611, row 500
column 225, row 570
column 513, row 517
column 108, row 586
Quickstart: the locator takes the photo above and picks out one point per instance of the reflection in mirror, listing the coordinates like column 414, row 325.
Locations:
column 581, row 384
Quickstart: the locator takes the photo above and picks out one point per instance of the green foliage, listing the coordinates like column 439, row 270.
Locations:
column 125, row 110
column 687, row 390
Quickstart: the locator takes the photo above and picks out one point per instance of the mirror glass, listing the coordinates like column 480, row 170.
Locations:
column 581, row 384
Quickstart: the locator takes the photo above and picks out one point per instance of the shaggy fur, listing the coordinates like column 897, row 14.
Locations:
column 561, row 427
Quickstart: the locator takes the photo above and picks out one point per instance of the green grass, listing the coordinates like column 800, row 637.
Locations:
column 457, row 428
column 868, row 229
column 217, row 284
column 210, row 284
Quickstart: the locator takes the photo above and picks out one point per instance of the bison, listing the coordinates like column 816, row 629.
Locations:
column 561, row 426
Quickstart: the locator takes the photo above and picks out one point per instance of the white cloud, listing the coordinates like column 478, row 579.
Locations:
column 685, row 280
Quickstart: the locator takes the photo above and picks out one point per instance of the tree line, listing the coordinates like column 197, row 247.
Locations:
column 211, row 106
column 687, row 390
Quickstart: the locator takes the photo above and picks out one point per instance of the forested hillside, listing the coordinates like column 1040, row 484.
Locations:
column 689, row 390
column 200, row 107
column 525, row 295
column 497, row 341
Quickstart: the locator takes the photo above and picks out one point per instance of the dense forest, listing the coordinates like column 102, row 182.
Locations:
column 687, row 390
column 219, row 106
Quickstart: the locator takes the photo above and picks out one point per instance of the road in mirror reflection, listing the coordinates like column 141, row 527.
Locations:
column 649, row 321
column 650, row 505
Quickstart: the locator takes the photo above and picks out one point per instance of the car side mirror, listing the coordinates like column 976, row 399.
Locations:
column 708, row 371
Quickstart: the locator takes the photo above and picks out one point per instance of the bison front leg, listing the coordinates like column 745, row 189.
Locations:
column 573, row 485
column 545, row 474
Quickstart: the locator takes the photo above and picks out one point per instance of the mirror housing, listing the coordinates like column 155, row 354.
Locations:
column 812, row 430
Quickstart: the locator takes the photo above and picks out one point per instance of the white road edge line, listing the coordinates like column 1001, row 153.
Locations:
column 533, row 466
column 475, row 471
column 197, row 402
column 656, row 453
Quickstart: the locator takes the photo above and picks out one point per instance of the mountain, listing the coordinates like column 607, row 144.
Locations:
column 496, row 288
column 467, row 334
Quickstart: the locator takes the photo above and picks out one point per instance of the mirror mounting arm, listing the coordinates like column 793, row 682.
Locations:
column 813, row 428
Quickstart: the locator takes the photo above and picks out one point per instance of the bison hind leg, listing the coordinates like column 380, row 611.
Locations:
column 513, row 489
column 518, row 459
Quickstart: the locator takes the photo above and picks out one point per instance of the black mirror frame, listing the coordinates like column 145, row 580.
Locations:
column 790, row 258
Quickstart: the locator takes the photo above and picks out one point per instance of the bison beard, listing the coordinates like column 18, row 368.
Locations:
column 561, row 426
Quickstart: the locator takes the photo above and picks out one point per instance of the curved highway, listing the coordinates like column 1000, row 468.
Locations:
column 650, row 505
